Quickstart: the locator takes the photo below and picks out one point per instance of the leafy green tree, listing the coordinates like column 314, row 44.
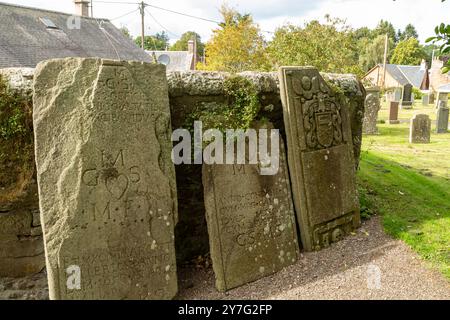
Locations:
column 372, row 52
column 237, row 45
column 126, row 32
column 182, row 43
column 409, row 32
column 384, row 27
column 408, row 52
column 159, row 41
column 442, row 38
column 330, row 47
column 363, row 33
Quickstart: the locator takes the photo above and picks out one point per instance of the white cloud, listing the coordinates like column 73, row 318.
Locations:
column 423, row 14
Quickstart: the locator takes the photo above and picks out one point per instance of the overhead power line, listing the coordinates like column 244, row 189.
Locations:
column 158, row 23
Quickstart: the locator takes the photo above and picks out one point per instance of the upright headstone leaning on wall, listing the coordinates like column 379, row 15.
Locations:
column 190, row 89
column 107, row 188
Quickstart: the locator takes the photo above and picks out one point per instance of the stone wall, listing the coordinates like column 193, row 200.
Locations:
column 187, row 91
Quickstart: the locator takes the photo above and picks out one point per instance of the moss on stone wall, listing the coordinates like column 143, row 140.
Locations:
column 16, row 142
column 239, row 109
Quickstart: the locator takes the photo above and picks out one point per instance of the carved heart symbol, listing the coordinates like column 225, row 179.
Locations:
column 117, row 185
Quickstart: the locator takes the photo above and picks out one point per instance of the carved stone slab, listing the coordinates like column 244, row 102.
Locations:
column 393, row 113
column 372, row 106
column 320, row 157
column 420, row 129
column 106, row 180
column 251, row 222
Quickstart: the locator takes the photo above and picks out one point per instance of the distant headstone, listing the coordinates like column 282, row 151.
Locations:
column 320, row 157
column 442, row 96
column 431, row 98
column 372, row 106
column 442, row 118
column 420, row 129
column 393, row 113
column 425, row 99
column 107, row 186
column 397, row 94
column 407, row 99
column 251, row 221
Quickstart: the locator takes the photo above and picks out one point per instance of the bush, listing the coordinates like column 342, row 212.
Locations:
column 417, row 93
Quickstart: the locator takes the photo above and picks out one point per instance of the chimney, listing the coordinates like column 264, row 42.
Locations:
column 82, row 7
column 192, row 48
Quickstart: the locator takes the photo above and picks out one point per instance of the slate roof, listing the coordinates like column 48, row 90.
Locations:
column 25, row 40
column 179, row 60
column 395, row 72
column 406, row 74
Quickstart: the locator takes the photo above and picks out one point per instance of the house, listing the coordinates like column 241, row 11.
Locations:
column 437, row 78
column 399, row 75
column 30, row 35
column 396, row 75
column 177, row 60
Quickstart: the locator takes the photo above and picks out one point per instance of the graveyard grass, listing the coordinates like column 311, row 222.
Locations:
column 409, row 186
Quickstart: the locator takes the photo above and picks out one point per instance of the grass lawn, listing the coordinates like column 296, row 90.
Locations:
column 409, row 186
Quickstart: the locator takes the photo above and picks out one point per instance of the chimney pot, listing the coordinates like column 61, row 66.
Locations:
column 82, row 7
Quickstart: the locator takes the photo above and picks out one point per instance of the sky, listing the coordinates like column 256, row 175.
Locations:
column 269, row 14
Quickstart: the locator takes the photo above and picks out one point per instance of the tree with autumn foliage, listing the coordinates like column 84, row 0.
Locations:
column 237, row 45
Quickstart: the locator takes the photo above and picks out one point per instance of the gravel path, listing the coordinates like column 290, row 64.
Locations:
column 339, row 272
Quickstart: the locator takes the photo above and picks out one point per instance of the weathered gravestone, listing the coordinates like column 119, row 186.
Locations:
column 420, row 129
column 372, row 106
column 407, row 101
column 320, row 157
column 442, row 96
column 442, row 118
column 425, row 99
column 251, row 221
column 106, row 181
column 431, row 98
column 397, row 94
column 393, row 113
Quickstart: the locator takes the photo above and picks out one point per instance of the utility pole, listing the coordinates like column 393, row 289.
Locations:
column 142, row 7
column 385, row 59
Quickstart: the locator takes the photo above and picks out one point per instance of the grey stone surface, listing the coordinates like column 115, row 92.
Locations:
column 251, row 221
column 441, row 96
column 442, row 118
column 372, row 106
column 426, row 99
column 107, row 188
column 320, row 157
column 19, row 78
column 397, row 94
column 420, row 129
column 188, row 90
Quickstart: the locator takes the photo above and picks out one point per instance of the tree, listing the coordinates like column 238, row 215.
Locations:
column 372, row 52
column 409, row 32
column 237, row 45
column 363, row 33
column 329, row 47
column 443, row 39
column 126, row 32
column 408, row 52
column 384, row 27
column 159, row 41
column 182, row 43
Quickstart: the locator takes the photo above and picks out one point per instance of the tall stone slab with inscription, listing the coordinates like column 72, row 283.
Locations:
column 251, row 221
column 407, row 97
column 106, row 181
column 320, row 157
